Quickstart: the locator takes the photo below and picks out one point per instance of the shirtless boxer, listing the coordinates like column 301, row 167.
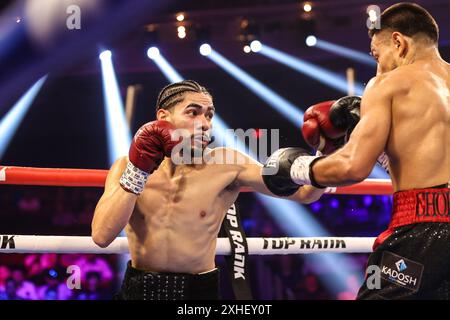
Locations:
column 405, row 111
column 172, row 213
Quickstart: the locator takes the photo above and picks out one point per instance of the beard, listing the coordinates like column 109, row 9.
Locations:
column 197, row 151
column 197, row 147
column 192, row 149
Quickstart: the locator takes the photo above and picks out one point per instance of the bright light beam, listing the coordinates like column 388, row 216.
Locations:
column 322, row 75
column 287, row 109
column 11, row 121
column 167, row 69
column 118, row 131
column 354, row 55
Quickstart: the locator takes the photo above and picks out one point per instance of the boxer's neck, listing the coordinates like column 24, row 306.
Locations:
column 421, row 53
column 171, row 168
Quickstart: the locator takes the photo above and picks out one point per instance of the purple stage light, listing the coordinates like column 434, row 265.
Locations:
column 334, row 203
column 368, row 200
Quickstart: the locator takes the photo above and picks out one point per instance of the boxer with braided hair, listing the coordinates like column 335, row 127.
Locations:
column 172, row 212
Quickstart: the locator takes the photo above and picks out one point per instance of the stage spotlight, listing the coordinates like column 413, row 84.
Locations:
column 18, row 20
column 255, row 45
column 307, row 7
column 205, row 49
column 244, row 24
column 311, row 41
column 247, row 49
column 181, row 32
column 180, row 17
column 153, row 52
column 104, row 55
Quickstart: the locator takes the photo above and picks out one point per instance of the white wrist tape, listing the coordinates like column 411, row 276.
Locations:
column 133, row 179
column 300, row 170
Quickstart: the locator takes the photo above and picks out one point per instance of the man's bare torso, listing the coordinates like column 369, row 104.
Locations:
column 176, row 220
column 419, row 141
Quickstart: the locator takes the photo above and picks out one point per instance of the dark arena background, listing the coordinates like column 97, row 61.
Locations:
column 78, row 77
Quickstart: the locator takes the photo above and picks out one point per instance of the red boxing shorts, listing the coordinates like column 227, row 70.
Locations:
column 416, row 206
column 412, row 257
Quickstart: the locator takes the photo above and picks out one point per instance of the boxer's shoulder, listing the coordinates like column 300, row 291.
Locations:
column 391, row 82
column 378, row 86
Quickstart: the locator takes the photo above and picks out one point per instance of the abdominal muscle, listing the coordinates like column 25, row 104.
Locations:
column 174, row 228
column 172, row 249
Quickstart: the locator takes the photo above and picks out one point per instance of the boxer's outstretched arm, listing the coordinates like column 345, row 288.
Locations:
column 354, row 162
column 114, row 207
column 250, row 176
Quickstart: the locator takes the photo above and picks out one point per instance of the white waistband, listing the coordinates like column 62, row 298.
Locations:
column 208, row 271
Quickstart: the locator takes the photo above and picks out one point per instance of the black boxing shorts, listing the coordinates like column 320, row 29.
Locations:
column 143, row 285
column 411, row 259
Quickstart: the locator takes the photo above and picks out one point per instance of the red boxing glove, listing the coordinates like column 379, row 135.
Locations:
column 150, row 144
column 319, row 132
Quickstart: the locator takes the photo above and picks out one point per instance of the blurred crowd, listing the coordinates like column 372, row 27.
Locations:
column 68, row 211
column 50, row 276
column 47, row 210
column 53, row 211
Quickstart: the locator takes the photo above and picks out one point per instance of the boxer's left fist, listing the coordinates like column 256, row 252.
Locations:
column 345, row 113
column 327, row 125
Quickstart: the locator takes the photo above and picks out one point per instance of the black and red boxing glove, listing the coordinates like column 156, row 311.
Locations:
column 318, row 131
column 327, row 125
column 345, row 114
column 150, row 144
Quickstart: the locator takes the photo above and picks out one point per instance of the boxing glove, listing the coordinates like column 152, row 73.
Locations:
column 150, row 144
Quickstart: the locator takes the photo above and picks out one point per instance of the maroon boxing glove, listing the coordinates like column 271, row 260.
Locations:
column 150, row 144
column 318, row 130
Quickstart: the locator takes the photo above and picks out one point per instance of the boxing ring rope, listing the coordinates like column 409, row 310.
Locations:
column 256, row 246
column 97, row 178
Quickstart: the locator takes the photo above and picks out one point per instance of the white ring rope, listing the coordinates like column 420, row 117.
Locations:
column 256, row 246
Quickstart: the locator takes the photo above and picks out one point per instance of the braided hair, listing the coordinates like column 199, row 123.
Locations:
column 173, row 93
